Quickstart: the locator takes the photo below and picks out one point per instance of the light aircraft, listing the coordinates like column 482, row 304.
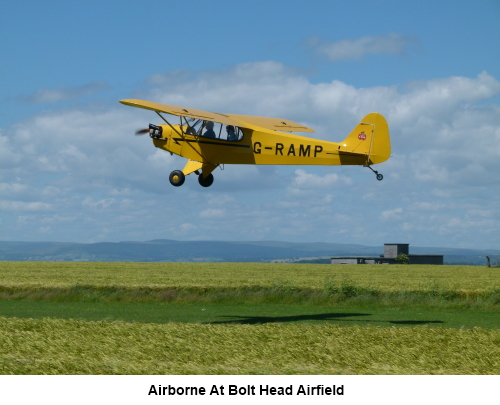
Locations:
column 201, row 137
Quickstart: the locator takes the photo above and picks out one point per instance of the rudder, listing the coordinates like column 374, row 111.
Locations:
column 371, row 138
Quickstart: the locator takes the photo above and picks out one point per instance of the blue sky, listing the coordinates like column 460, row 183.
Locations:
column 71, row 169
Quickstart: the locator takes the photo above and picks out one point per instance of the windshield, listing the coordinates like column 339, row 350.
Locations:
column 210, row 129
column 192, row 125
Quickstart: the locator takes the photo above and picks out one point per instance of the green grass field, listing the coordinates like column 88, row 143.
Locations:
column 250, row 314
column 224, row 318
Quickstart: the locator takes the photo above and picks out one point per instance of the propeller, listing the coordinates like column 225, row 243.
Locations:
column 142, row 131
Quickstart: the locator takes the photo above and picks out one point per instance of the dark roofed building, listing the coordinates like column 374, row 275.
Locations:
column 391, row 252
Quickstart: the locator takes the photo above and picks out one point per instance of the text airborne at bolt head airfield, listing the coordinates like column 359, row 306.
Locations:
column 248, row 390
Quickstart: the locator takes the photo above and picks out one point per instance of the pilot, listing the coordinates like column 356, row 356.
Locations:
column 209, row 133
column 231, row 136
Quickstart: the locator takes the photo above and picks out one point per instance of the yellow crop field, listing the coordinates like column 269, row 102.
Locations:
column 467, row 279
column 52, row 346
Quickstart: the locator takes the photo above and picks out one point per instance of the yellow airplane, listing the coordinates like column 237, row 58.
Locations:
column 211, row 139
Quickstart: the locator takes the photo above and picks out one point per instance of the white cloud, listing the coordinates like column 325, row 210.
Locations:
column 84, row 163
column 121, row 192
column 213, row 213
column 95, row 205
column 54, row 95
column 222, row 200
column 391, row 44
column 9, row 156
column 57, row 219
column 309, row 180
column 394, row 214
column 12, row 188
column 427, row 206
column 24, row 206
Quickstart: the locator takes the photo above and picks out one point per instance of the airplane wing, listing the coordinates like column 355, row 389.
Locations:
column 181, row 111
column 276, row 124
column 246, row 121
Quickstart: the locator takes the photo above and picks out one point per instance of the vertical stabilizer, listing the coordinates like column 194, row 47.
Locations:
column 371, row 138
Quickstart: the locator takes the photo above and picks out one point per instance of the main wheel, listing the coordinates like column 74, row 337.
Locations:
column 206, row 181
column 177, row 178
column 379, row 177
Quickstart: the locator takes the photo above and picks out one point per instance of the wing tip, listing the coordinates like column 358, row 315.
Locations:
column 129, row 101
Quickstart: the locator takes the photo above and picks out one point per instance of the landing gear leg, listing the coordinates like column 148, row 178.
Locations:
column 379, row 175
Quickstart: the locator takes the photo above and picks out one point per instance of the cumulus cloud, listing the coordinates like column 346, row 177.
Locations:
column 357, row 49
column 54, row 95
column 12, row 188
column 213, row 213
column 311, row 180
column 392, row 214
column 87, row 148
column 24, row 206
column 96, row 205
column 85, row 164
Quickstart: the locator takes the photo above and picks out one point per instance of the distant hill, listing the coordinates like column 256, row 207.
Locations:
column 165, row 250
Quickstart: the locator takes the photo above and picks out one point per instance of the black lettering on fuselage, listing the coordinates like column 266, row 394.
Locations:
column 256, row 150
column 317, row 149
column 305, row 151
column 279, row 148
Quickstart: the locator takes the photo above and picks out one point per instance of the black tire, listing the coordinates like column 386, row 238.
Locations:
column 177, row 178
column 205, row 181
column 380, row 177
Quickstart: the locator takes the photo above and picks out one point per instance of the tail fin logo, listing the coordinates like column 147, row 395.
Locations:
column 362, row 136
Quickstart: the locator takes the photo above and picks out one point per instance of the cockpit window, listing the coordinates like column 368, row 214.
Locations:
column 233, row 134
column 213, row 130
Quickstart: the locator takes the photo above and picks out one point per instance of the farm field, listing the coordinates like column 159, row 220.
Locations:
column 247, row 318
column 243, row 275
column 55, row 346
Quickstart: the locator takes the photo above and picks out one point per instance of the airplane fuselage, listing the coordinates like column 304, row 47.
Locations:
column 258, row 147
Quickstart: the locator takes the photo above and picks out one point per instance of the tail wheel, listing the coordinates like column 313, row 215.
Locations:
column 206, row 181
column 379, row 175
column 177, row 178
